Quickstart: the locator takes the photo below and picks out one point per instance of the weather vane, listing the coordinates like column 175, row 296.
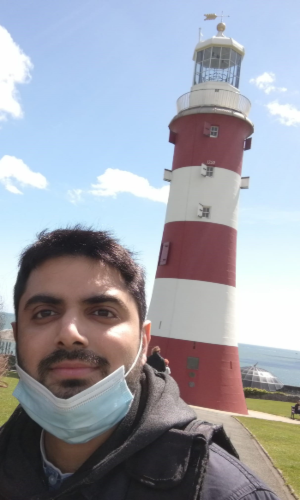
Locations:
column 211, row 17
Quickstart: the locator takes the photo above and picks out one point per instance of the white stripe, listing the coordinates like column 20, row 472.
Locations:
column 193, row 310
column 189, row 188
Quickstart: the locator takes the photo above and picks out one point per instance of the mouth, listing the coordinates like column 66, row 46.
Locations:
column 72, row 369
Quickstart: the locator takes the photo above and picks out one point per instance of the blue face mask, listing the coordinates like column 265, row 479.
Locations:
column 83, row 416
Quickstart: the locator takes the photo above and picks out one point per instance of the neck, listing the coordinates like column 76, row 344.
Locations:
column 69, row 457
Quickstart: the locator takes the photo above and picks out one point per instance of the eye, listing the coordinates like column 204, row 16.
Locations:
column 45, row 313
column 105, row 313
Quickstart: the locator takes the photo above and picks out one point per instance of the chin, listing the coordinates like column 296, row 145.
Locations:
column 68, row 388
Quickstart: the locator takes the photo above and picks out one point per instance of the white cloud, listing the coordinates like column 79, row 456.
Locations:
column 12, row 168
column 12, row 189
column 15, row 67
column 264, row 82
column 74, row 195
column 286, row 113
column 115, row 181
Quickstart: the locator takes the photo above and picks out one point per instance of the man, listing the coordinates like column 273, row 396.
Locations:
column 156, row 360
column 95, row 421
column 297, row 408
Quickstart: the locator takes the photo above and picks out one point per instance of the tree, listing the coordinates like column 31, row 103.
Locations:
column 2, row 317
column 3, row 359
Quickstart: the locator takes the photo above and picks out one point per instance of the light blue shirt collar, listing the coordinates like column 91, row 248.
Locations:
column 54, row 476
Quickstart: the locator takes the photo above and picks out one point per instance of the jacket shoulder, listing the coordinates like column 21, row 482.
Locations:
column 227, row 478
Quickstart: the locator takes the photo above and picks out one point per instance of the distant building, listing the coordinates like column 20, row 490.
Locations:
column 259, row 378
column 8, row 319
column 7, row 342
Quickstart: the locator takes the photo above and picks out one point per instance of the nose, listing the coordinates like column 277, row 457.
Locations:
column 70, row 333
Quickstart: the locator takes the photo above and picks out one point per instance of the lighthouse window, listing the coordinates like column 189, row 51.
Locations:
column 216, row 52
column 207, row 54
column 233, row 56
column 214, row 131
column 220, row 64
column 215, row 57
column 206, row 212
column 163, row 258
column 209, row 171
column 224, row 62
column 200, row 56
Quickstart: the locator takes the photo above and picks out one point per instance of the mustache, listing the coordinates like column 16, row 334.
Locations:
column 79, row 355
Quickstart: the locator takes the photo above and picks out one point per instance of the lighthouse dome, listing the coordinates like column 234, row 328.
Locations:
column 218, row 59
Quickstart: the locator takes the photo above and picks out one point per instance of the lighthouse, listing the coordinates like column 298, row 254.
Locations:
column 193, row 305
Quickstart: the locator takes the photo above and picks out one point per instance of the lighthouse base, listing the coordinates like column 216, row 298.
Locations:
column 208, row 375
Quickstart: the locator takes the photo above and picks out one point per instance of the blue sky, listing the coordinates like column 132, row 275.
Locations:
column 87, row 90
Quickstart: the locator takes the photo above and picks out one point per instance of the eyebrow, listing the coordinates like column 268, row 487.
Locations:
column 42, row 299
column 105, row 297
column 94, row 299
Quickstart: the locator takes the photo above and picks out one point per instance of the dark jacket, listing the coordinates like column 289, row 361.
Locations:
column 158, row 452
column 157, row 362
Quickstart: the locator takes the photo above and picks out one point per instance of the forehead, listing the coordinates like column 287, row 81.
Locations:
column 74, row 276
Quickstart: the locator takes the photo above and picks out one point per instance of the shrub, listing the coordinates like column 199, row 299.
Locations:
column 251, row 392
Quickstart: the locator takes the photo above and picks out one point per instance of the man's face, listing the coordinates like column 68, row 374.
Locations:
column 77, row 323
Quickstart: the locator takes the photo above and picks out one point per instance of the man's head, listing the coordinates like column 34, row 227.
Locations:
column 155, row 349
column 78, row 241
column 80, row 308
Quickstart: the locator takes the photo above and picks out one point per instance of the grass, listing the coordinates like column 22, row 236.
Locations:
column 281, row 441
column 280, row 408
column 7, row 402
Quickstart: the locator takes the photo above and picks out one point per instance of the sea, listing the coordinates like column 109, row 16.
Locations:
column 283, row 363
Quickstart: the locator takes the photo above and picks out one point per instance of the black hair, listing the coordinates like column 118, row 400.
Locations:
column 80, row 241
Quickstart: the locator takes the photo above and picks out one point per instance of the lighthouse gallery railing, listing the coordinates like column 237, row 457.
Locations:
column 214, row 97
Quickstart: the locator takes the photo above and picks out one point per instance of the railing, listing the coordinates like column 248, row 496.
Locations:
column 214, row 97
column 7, row 347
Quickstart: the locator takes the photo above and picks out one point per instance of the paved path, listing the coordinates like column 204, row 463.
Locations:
column 268, row 416
column 249, row 450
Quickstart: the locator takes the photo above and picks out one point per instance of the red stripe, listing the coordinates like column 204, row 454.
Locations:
column 200, row 251
column 193, row 148
column 217, row 381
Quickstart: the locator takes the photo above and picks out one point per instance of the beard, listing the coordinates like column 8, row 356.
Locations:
column 67, row 388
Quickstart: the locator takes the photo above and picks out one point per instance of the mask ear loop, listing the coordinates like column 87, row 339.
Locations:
column 136, row 358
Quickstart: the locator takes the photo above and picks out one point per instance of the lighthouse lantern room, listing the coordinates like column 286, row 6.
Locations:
column 192, row 308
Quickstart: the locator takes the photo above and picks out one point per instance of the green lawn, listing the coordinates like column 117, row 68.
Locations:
column 7, row 402
column 281, row 441
column 281, row 408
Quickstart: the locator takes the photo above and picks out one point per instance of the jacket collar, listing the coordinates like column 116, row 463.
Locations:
column 159, row 411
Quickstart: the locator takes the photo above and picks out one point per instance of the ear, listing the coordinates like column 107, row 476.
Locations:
column 146, row 334
column 14, row 325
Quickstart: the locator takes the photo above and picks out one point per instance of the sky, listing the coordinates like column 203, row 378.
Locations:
column 87, row 90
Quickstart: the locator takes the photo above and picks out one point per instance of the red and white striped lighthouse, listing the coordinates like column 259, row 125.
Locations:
column 193, row 303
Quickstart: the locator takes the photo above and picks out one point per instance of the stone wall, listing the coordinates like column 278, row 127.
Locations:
column 274, row 396
column 290, row 389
